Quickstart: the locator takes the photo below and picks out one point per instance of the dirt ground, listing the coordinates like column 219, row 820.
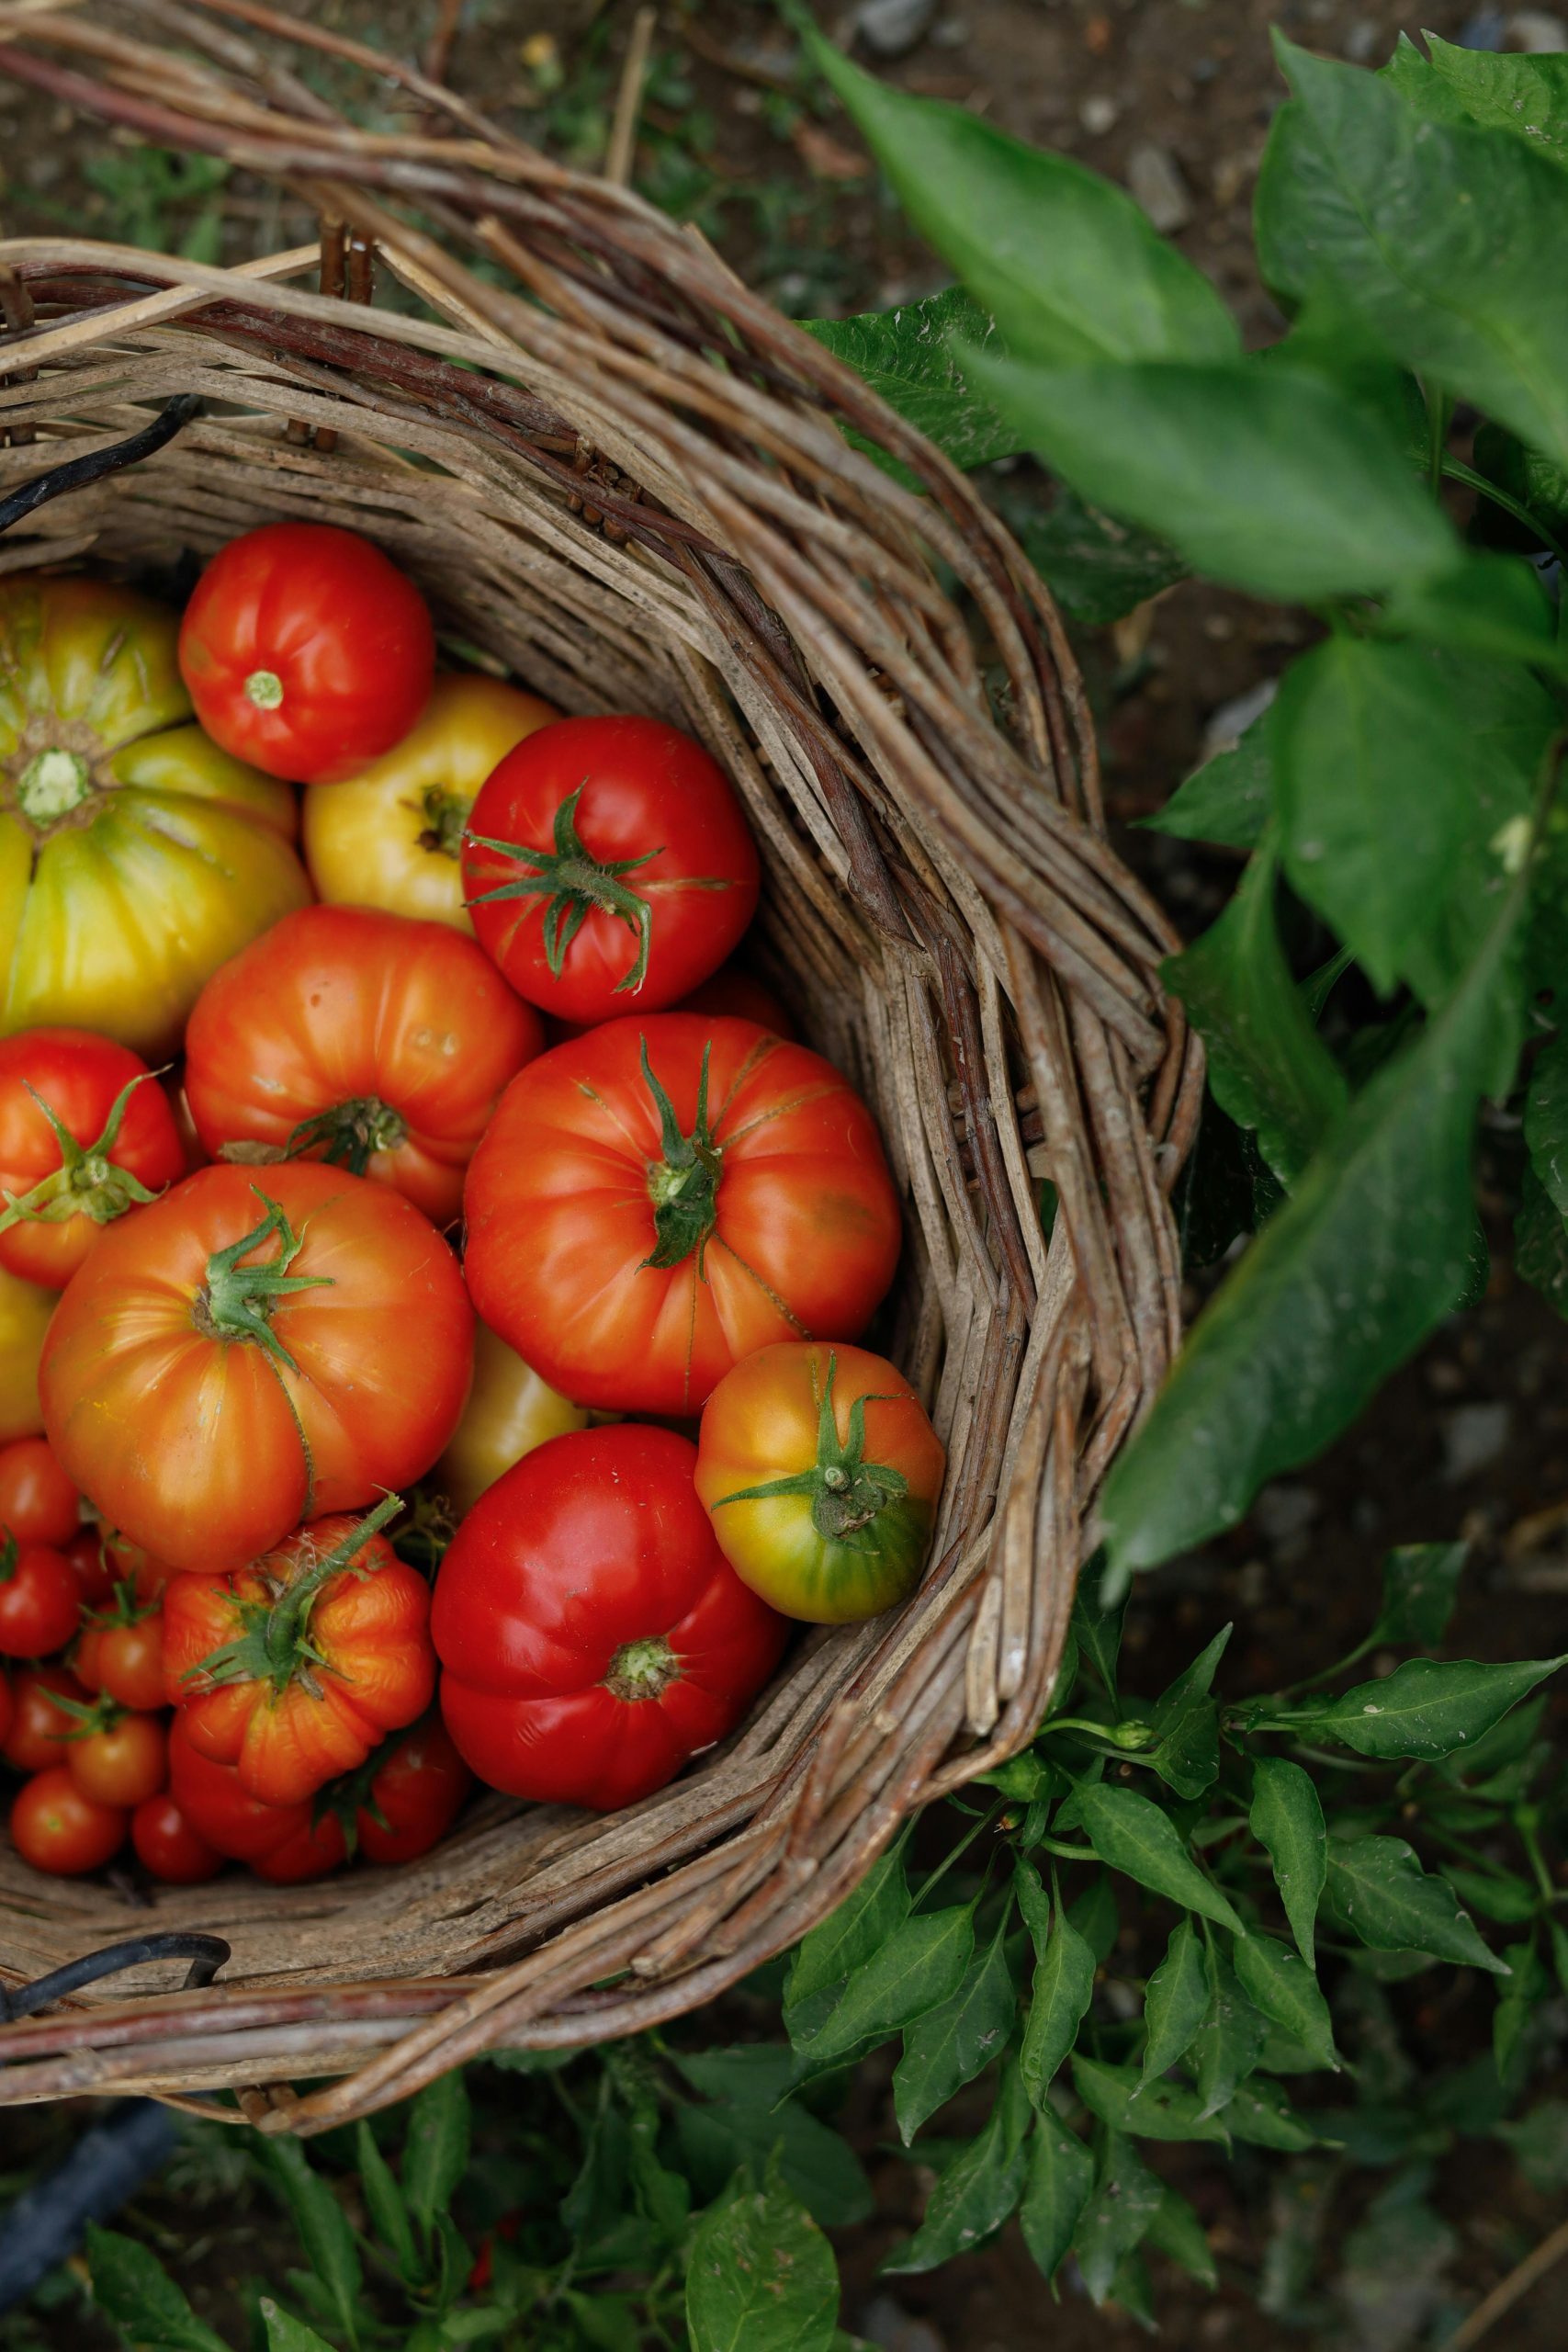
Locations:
column 1470, row 1438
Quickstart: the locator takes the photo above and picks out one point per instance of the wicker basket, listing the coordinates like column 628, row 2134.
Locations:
column 620, row 474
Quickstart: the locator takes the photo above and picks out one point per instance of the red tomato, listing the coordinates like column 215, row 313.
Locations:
column 120, row 1759
column 39, row 1599
column 608, row 866
column 39, row 1729
column 242, row 1356
column 93, row 1565
column 167, row 1844
column 58, row 1829
column 305, row 650
column 294, row 1668
column 277, row 1840
column 120, row 1654
column 363, row 1038
column 592, row 1633
column 39, row 1504
column 737, row 994
column 87, row 1134
column 416, row 1785
column 655, row 1200
column 146, row 1576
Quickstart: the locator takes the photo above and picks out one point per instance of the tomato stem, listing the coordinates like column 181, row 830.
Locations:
column 265, row 689
column 575, row 882
column 274, row 1645
column 88, row 1182
column 52, row 784
column 236, row 1302
column 352, row 1132
column 446, row 821
column 642, row 1669
column 848, row 1493
column 683, row 1185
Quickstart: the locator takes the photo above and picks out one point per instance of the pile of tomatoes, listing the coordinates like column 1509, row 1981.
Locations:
column 351, row 1208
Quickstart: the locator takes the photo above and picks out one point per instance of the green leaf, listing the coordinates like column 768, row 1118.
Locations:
column 1527, row 97
column 323, row 2230
column 1540, row 1243
column 1126, row 2200
column 906, row 355
column 1432, row 232
column 976, row 2191
column 1540, row 2142
column 1546, row 1120
column 1379, row 1890
column 1230, row 798
column 1061, row 2175
column 435, row 2153
column 847, row 1936
column 1286, row 1818
column 1284, row 1989
column 761, row 2277
column 1365, row 1257
column 1490, row 604
column 131, row 2287
column 1096, row 568
column 1065, row 263
column 286, row 2334
column 1126, row 2101
column 920, row 1966
column 1266, row 480
column 1263, row 2116
column 1194, row 1681
column 749, row 2118
column 1269, row 1070
column 386, row 2204
column 1063, row 1989
column 1095, row 1915
column 1533, row 480
column 1510, row 1900
column 1188, row 1757
column 1226, row 2045
column 1420, row 1585
column 1176, row 2231
column 1427, row 1707
column 1133, row 1835
column 949, row 2046
column 1098, row 1629
column 1176, row 2001
column 1519, row 1997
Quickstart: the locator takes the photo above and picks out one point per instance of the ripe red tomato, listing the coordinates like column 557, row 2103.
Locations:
column 655, row 1200
column 169, row 1847
column 39, row 1729
column 244, row 1356
column 363, row 1038
column 294, row 1668
column 120, row 1759
column 120, row 1654
column 39, row 1599
column 279, row 1841
column 58, row 1829
column 608, row 866
column 416, row 1785
column 39, row 1504
column 86, row 1135
column 305, row 650
column 592, row 1634
column 93, row 1565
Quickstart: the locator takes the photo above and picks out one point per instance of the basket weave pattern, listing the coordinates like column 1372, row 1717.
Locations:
column 620, row 474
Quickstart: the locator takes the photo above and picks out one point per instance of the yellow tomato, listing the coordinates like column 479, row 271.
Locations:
column 392, row 835
column 25, row 1310
column 511, row 1411
column 135, row 856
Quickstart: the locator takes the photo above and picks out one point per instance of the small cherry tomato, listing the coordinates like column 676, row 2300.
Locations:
column 39, row 1504
column 592, row 1633
column 608, row 868
column 58, row 1829
column 167, row 1844
column 93, row 1565
column 39, row 1599
column 417, row 1783
column 305, row 650
column 392, row 835
column 146, row 1576
column 510, row 1410
column 117, row 1757
column 39, row 1729
column 120, row 1653
column 87, row 1135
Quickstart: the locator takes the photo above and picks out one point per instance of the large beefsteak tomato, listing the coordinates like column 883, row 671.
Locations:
column 592, row 1634
column 654, row 1200
column 87, row 1134
column 134, row 855
column 367, row 1039
column 244, row 1355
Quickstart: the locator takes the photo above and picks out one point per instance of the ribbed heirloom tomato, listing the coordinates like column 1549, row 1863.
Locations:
column 592, row 1633
column 608, row 866
column 242, row 1356
column 283, row 1843
column 401, row 1803
column 305, row 650
column 392, row 835
column 656, row 1199
column 293, row 1669
column 820, row 1472
column 25, row 1312
column 86, row 1135
column 363, row 1038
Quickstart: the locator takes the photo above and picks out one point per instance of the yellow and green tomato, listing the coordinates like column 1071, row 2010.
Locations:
column 135, row 856
column 820, row 1472
column 510, row 1411
column 392, row 835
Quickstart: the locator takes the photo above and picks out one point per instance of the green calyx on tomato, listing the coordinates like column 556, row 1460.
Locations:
column 276, row 1645
column 88, row 1182
column 265, row 688
column 683, row 1185
column 642, row 1669
column 849, row 1495
column 352, row 1132
column 237, row 1302
column 575, row 882
column 445, row 822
